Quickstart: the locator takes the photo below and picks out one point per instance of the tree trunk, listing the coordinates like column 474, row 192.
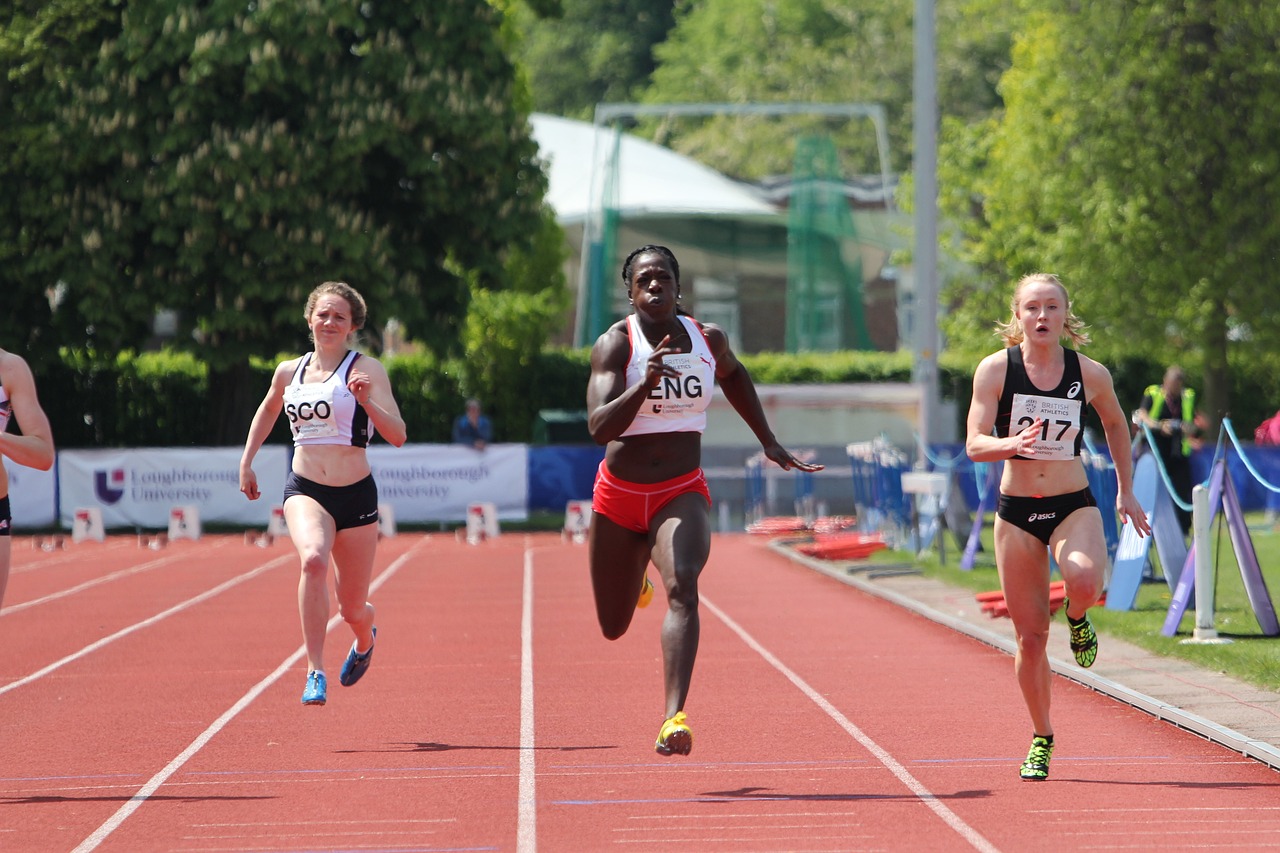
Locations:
column 1215, row 399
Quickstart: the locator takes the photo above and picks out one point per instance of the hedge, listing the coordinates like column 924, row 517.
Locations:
column 160, row 399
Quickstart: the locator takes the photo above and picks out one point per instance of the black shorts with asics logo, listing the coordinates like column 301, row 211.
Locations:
column 1040, row 516
column 350, row 506
column 6, row 517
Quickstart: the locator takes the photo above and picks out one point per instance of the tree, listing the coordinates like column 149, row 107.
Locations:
column 589, row 51
column 220, row 159
column 1136, row 157
column 826, row 51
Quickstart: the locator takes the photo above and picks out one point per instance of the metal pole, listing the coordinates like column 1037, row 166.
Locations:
column 925, row 129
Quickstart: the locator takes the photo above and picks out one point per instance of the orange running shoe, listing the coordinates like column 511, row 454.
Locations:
column 646, row 593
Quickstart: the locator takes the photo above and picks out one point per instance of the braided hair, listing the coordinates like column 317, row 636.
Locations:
column 657, row 250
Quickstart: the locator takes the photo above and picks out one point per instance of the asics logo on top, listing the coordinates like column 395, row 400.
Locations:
column 1073, row 391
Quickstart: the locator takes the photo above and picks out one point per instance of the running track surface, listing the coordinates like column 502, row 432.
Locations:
column 149, row 701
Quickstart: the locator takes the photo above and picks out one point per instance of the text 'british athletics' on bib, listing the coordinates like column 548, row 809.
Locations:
column 686, row 393
column 1059, row 428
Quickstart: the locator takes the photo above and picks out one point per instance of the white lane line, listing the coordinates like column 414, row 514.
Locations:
column 138, row 626
column 135, row 802
column 939, row 808
column 527, row 823
column 123, row 573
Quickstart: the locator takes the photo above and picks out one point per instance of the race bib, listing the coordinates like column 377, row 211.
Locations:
column 1060, row 427
column 688, row 393
column 309, row 409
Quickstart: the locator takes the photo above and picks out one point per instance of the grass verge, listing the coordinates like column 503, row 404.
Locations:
column 1250, row 656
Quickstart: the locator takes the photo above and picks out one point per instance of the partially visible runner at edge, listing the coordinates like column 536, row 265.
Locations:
column 32, row 449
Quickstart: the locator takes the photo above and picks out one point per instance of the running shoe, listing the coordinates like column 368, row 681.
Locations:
column 314, row 694
column 674, row 738
column 1084, row 642
column 1036, row 767
column 356, row 663
column 646, row 593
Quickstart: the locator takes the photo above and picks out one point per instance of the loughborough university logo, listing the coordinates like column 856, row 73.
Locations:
column 109, row 485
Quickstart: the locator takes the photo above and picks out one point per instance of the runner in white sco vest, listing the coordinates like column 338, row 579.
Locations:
column 332, row 398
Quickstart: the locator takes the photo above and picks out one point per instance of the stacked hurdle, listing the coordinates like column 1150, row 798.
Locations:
column 761, row 497
column 879, row 501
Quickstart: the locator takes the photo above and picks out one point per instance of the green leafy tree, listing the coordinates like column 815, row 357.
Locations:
column 220, row 159
column 824, row 51
column 1136, row 157
column 589, row 51
column 506, row 331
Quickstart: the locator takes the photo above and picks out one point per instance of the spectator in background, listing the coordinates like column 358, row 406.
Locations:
column 1268, row 435
column 473, row 428
column 1169, row 409
column 33, row 448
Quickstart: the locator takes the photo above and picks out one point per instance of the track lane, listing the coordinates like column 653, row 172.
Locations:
column 422, row 754
column 427, row 754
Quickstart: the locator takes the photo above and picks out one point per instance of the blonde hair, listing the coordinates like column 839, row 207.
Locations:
column 1011, row 331
column 359, row 312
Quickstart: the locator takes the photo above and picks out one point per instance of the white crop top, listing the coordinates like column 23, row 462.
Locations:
column 326, row 412
column 676, row 405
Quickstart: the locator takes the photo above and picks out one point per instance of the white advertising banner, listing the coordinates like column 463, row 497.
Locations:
column 137, row 488
column 437, row 482
column 33, row 496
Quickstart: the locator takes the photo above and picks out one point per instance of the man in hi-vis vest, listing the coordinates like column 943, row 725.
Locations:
column 1170, row 410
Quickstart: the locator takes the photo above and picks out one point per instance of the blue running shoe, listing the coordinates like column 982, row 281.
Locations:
column 356, row 663
column 314, row 694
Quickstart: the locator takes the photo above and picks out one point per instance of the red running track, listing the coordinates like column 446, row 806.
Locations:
column 149, row 701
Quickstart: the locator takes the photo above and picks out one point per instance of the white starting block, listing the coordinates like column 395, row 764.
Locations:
column 577, row 521
column 386, row 521
column 184, row 522
column 276, row 526
column 87, row 524
column 482, row 523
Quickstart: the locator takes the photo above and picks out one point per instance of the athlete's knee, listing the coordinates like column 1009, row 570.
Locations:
column 355, row 613
column 1084, row 590
column 314, row 561
column 683, row 594
column 1033, row 641
column 613, row 629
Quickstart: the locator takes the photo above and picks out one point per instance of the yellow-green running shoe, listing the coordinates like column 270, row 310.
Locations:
column 1084, row 642
column 675, row 737
column 646, row 593
column 1036, row 767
